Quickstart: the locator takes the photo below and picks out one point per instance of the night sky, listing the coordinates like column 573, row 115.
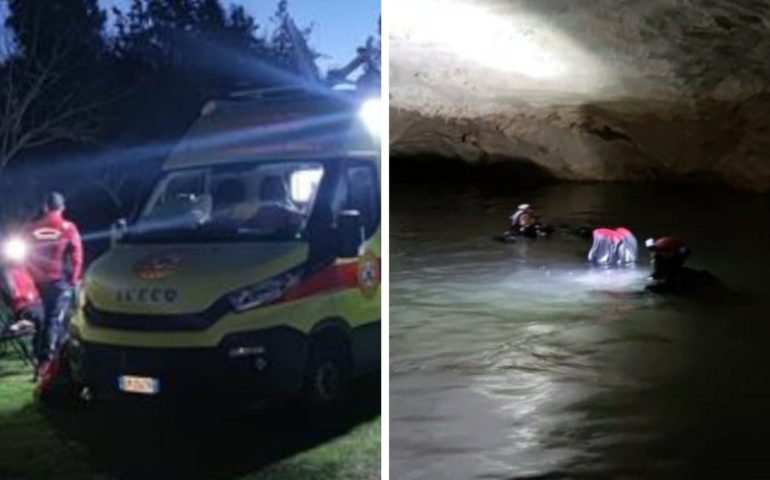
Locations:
column 340, row 25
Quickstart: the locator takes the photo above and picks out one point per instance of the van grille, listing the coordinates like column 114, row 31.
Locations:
column 150, row 323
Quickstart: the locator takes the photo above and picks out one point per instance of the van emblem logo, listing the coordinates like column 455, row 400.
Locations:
column 158, row 266
column 368, row 274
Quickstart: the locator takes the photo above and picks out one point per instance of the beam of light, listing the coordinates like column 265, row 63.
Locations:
column 15, row 249
column 221, row 59
column 96, row 235
column 477, row 33
column 302, row 129
column 371, row 115
column 247, row 138
column 113, row 159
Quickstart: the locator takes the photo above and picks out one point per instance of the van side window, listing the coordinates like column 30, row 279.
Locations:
column 364, row 194
column 184, row 185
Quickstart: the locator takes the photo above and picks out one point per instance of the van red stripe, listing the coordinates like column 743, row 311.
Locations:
column 332, row 278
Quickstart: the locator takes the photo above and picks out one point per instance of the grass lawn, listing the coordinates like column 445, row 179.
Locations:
column 115, row 441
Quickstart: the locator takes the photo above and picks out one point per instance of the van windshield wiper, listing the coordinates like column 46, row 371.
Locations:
column 205, row 235
column 239, row 233
column 158, row 235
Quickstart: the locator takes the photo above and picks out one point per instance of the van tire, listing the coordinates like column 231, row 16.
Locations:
column 327, row 377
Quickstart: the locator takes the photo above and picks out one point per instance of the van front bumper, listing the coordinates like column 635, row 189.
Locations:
column 261, row 365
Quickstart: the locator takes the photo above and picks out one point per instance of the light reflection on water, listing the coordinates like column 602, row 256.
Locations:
column 521, row 360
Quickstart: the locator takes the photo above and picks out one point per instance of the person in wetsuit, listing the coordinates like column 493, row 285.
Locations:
column 669, row 275
column 613, row 247
column 524, row 223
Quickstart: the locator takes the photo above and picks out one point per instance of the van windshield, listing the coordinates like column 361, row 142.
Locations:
column 271, row 201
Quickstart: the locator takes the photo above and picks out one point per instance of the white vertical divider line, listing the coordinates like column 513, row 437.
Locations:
column 385, row 252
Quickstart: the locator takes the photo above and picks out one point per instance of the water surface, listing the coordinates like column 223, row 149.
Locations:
column 522, row 361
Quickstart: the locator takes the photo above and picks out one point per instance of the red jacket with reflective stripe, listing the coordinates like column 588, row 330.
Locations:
column 56, row 252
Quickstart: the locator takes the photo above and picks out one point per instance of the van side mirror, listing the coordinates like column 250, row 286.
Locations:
column 117, row 230
column 350, row 233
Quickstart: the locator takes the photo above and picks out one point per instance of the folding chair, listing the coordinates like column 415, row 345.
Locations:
column 14, row 339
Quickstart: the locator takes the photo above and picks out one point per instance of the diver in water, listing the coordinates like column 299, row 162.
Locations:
column 669, row 275
column 613, row 247
column 524, row 223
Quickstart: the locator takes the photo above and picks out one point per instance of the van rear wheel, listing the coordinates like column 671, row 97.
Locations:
column 328, row 372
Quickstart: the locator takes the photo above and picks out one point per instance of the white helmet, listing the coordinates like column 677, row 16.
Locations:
column 521, row 209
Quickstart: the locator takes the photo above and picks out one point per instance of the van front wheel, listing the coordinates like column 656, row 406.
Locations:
column 328, row 372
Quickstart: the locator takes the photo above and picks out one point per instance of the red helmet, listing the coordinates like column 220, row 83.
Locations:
column 667, row 246
column 608, row 234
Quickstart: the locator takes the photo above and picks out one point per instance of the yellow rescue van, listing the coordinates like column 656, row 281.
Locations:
column 253, row 266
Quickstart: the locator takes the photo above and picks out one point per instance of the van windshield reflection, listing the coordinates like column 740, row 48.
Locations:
column 270, row 201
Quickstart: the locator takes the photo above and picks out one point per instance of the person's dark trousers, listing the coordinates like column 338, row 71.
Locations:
column 57, row 301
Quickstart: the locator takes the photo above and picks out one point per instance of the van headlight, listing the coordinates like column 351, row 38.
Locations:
column 371, row 114
column 15, row 249
column 262, row 293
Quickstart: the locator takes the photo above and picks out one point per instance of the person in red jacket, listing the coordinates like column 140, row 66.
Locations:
column 56, row 264
column 19, row 288
column 22, row 297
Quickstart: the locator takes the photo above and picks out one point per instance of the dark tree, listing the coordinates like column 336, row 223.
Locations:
column 212, row 18
column 290, row 45
column 45, row 28
column 48, row 96
column 36, row 111
column 132, row 90
column 194, row 40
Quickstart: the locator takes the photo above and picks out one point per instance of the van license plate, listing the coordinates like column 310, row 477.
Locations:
column 143, row 385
